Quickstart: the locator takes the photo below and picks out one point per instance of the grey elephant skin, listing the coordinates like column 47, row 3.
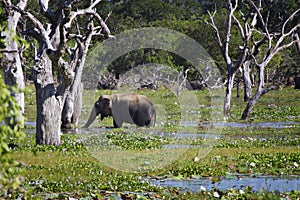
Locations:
column 129, row 108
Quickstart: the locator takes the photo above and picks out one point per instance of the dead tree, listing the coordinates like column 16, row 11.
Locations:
column 54, row 36
column 250, row 49
column 275, row 43
column 246, row 32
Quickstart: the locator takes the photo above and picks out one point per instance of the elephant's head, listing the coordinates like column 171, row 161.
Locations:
column 102, row 106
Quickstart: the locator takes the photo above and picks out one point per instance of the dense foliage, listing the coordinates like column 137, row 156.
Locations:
column 185, row 17
column 9, row 133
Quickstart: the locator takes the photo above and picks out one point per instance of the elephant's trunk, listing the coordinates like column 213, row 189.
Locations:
column 92, row 117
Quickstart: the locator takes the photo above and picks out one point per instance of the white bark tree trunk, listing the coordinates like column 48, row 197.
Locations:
column 296, row 37
column 273, row 48
column 227, row 101
column 54, row 39
column 224, row 47
column 247, row 80
column 77, row 105
column 12, row 61
column 73, row 102
column 48, row 103
column 258, row 94
column 72, row 107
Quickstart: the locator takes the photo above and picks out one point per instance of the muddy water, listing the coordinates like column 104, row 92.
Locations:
column 270, row 183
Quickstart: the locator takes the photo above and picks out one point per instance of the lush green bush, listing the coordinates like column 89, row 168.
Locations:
column 10, row 136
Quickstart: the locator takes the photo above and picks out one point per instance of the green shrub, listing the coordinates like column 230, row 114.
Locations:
column 9, row 136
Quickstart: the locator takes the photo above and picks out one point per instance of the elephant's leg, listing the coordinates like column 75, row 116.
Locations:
column 141, row 118
column 116, row 125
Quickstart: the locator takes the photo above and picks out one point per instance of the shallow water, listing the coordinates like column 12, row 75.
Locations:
column 30, row 124
column 270, row 183
column 223, row 124
column 180, row 146
column 190, row 135
column 245, row 125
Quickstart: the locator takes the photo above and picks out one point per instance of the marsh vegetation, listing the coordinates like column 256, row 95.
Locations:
column 132, row 162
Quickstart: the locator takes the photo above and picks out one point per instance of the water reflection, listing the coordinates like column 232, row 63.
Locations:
column 30, row 124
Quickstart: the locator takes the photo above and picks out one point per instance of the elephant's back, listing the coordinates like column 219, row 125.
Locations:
column 136, row 107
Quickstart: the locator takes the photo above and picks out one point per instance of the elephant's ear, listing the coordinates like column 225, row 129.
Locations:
column 107, row 107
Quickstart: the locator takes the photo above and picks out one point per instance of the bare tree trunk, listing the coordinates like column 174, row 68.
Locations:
column 48, row 103
column 238, row 91
column 183, row 82
column 12, row 61
column 227, row 101
column 259, row 93
column 78, row 105
column 72, row 107
column 296, row 37
column 73, row 102
column 247, row 80
column 256, row 96
column 55, row 51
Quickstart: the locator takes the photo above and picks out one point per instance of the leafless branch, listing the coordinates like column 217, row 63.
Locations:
column 88, row 11
column 213, row 25
column 278, row 45
column 46, row 10
column 264, row 24
column 288, row 20
column 182, row 82
column 36, row 23
column 8, row 51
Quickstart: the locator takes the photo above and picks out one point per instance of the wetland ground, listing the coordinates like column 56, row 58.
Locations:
column 191, row 153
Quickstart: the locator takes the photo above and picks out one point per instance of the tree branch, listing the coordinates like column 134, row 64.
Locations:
column 288, row 20
column 8, row 51
column 273, row 87
column 213, row 25
column 46, row 10
column 88, row 11
column 278, row 46
column 37, row 24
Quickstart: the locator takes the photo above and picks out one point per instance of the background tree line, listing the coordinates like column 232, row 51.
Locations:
column 185, row 17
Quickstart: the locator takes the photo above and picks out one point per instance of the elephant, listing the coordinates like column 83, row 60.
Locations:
column 130, row 108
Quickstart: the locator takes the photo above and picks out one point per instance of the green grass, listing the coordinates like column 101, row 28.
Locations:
column 71, row 167
column 75, row 169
